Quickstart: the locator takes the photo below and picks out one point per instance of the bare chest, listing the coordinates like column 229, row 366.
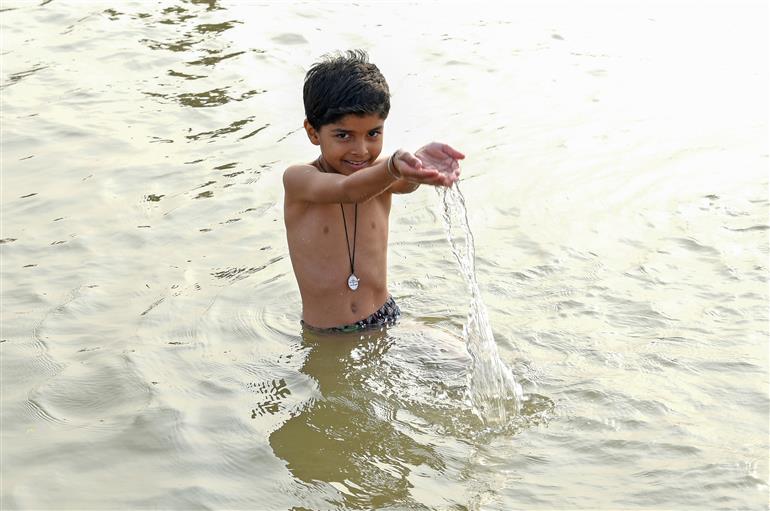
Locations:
column 329, row 238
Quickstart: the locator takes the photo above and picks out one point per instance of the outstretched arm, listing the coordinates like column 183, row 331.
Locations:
column 305, row 183
column 435, row 164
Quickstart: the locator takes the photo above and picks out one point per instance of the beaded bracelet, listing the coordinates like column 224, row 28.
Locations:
column 392, row 167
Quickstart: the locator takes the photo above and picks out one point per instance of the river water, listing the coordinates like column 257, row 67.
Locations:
column 616, row 188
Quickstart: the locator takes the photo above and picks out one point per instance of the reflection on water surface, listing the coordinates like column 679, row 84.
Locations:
column 616, row 188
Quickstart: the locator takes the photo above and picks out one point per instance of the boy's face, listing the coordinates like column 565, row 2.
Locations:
column 350, row 144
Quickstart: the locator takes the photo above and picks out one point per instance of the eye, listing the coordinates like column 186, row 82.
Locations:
column 375, row 133
column 342, row 136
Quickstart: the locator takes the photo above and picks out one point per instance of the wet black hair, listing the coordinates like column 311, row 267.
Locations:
column 344, row 83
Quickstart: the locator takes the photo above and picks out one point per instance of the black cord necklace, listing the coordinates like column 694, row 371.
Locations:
column 352, row 280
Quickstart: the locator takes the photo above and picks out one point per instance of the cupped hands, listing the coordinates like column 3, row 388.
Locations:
column 434, row 164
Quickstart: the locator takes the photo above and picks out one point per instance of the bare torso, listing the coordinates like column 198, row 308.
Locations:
column 319, row 256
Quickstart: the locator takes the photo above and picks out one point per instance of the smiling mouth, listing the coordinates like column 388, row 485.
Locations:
column 356, row 163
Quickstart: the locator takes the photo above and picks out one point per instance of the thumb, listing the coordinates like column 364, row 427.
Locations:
column 411, row 160
column 451, row 151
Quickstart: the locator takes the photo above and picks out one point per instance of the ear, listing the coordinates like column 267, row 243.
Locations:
column 312, row 134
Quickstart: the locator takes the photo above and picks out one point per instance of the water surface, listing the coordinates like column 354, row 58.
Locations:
column 616, row 187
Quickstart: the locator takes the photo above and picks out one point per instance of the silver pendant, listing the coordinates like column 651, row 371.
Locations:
column 353, row 282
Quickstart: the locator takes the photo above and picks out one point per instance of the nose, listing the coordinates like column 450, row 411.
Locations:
column 359, row 149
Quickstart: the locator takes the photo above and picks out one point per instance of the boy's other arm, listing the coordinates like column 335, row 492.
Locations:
column 403, row 186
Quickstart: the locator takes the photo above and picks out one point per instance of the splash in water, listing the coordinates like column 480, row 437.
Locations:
column 493, row 390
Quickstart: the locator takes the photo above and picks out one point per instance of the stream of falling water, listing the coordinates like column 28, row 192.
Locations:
column 492, row 388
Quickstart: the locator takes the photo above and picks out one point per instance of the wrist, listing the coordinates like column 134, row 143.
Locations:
column 391, row 167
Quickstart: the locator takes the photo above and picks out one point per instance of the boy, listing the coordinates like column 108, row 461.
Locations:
column 336, row 208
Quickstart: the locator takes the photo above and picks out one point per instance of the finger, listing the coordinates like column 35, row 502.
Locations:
column 442, row 179
column 429, row 176
column 409, row 172
column 454, row 153
column 407, row 162
column 411, row 160
column 449, row 182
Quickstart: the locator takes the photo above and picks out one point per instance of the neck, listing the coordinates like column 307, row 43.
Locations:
column 324, row 166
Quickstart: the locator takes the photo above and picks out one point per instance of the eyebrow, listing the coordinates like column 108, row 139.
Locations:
column 340, row 130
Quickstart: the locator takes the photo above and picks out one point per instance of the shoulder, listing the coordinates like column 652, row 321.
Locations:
column 298, row 173
column 299, row 169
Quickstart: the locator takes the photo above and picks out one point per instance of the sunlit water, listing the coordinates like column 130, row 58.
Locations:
column 616, row 188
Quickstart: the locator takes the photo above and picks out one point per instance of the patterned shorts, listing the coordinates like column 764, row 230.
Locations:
column 387, row 315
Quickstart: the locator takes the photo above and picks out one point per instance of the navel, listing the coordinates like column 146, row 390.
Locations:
column 353, row 307
column 374, row 225
column 326, row 229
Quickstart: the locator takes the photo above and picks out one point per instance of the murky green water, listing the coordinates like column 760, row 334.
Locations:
column 616, row 187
